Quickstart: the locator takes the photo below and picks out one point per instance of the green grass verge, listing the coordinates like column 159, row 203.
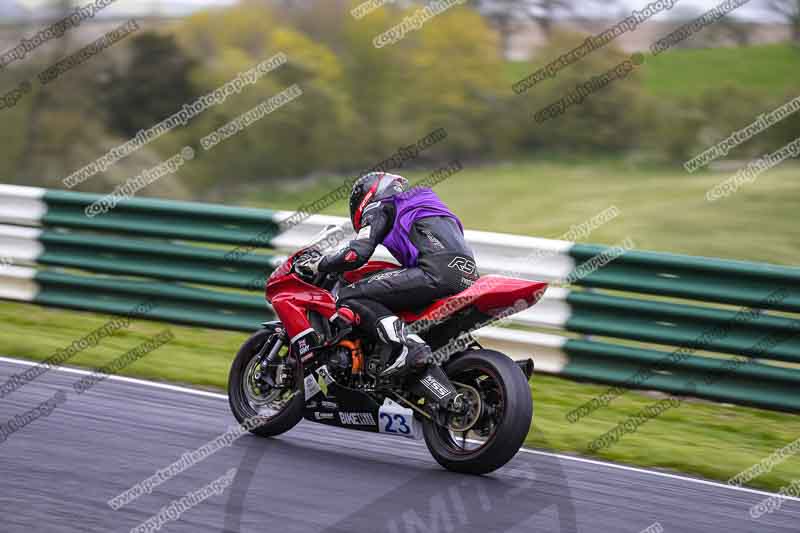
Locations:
column 712, row 440
column 767, row 69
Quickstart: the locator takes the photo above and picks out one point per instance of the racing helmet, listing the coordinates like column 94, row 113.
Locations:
column 371, row 187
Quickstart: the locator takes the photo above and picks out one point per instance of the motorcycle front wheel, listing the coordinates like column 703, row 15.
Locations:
column 275, row 394
column 498, row 420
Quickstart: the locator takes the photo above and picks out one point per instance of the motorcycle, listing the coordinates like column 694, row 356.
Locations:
column 314, row 364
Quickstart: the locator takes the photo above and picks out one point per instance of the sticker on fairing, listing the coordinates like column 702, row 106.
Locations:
column 356, row 419
column 438, row 389
column 394, row 419
column 325, row 374
column 312, row 388
column 324, row 379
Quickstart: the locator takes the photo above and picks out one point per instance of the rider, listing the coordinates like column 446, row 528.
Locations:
column 425, row 237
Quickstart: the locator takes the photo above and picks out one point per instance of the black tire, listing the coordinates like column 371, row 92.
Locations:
column 288, row 417
column 511, row 430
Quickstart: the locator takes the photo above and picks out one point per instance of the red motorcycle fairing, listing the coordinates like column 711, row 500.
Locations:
column 489, row 295
column 292, row 298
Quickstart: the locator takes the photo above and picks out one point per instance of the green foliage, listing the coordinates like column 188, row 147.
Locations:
column 685, row 127
column 608, row 119
column 675, row 106
column 153, row 84
column 300, row 137
column 457, row 83
column 361, row 103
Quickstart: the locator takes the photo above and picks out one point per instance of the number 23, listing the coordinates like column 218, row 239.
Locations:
column 400, row 419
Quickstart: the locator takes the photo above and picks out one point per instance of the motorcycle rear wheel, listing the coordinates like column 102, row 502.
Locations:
column 505, row 413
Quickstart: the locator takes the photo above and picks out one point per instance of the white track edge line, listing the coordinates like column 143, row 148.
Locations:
column 123, row 379
column 207, row 394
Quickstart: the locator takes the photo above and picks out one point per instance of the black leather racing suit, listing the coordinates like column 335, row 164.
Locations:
column 445, row 266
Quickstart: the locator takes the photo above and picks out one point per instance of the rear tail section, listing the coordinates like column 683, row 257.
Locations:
column 490, row 299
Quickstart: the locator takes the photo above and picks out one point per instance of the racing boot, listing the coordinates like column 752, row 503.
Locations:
column 409, row 352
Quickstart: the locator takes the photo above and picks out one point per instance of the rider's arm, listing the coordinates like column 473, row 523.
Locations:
column 376, row 222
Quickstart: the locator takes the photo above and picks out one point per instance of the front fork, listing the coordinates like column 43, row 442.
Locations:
column 269, row 355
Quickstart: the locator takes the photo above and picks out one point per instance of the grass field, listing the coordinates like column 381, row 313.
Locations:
column 767, row 69
column 661, row 209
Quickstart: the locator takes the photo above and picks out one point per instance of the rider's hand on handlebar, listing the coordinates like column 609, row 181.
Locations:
column 308, row 265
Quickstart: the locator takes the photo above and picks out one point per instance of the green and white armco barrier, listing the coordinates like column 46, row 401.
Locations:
column 608, row 326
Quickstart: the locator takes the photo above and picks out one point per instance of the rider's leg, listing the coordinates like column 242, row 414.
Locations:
column 376, row 300
column 410, row 354
column 408, row 351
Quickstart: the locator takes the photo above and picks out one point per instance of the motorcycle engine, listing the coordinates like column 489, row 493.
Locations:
column 378, row 361
column 339, row 361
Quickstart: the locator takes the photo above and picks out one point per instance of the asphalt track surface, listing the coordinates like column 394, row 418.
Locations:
column 58, row 473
